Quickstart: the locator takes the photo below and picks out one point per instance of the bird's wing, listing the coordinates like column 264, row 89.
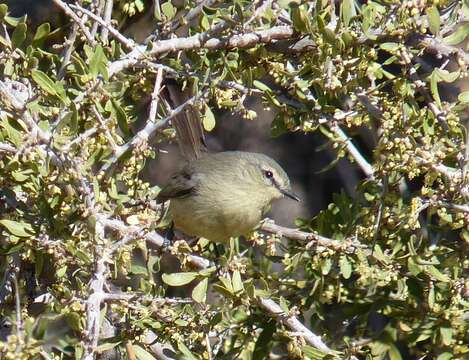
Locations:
column 181, row 184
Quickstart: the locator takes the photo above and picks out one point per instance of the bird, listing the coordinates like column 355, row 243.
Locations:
column 225, row 194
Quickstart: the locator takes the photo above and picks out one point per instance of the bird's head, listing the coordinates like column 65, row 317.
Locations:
column 269, row 177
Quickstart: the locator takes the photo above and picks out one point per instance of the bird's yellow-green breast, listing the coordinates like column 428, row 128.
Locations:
column 224, row 194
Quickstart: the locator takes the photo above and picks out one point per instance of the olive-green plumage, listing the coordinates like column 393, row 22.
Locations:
column 224, row 194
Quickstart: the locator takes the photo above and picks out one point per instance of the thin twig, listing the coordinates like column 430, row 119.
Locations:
column 103, row 126
column 294, row 324
column 353, row 151
column 79, row 139
column 107, row 18
column 67, row 52
column 98, row 7
column 7, row 148
column 9, row 275
column 155, row 96
column 310, row 239
column 141, row 297
column 77, row 20
column 435, row 46
column 192, row 14
column 197, row 42
column 448, row 172
column 128, row 43
column 19, row 317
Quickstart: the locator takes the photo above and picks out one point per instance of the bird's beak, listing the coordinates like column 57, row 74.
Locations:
column 290, row 194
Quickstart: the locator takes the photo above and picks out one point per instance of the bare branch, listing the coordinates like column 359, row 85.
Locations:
column 294, row 324
column 310, row 239
column 434, row 46
column 448, row 172
column 93, row 304
column 197, row 42
column 130, row 297
column 7, row 148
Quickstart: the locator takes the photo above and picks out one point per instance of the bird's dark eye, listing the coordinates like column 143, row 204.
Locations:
column 268, row 174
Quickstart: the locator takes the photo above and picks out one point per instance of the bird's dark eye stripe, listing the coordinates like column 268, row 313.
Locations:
column 268, row 174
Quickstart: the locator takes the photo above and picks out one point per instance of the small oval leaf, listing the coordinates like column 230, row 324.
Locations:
column 16, row 228
column 179, row 279
column 19, row 35
column 209, row 119
column 199, row 294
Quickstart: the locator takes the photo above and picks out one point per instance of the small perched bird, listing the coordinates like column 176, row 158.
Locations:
column 224, row 194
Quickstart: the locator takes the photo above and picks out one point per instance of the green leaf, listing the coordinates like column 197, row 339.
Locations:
column 345, row 267
column 44, row 82
column 142, row 354
column 140, row 5
column 168, row 10
column 222, row 290
column 17, row 228
column 179, row 279
column 446, row 76
column 326, row 266
column 106, row 346
column 413, row 266
column 300, row 18
column 199, row 294
column 19, row 35
column 464, row 97
column 263, row 343
column 208, row 10
column 70, row 119
column 13, row 21
column 261, row 86
column 389, row 46
column 458, row 36
column 445, row 356
column 121, row 116
column 434, row 87
column 98, row 63
column 315, row 354
column 39, row 263
column 74, row 321
column 187, row 354
column 436, row 274
column 3, row 11
column 61, row 272
column 394, row 353
column 348, row 11
column 434, row 20
column 137, row 269
column 226, row 281
column 431, row 297
column 207, row 271
column 209, row 119
column 237, row 282
column 12, row 249
column 446, row 335
column 41, row 34
column 284, row 305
